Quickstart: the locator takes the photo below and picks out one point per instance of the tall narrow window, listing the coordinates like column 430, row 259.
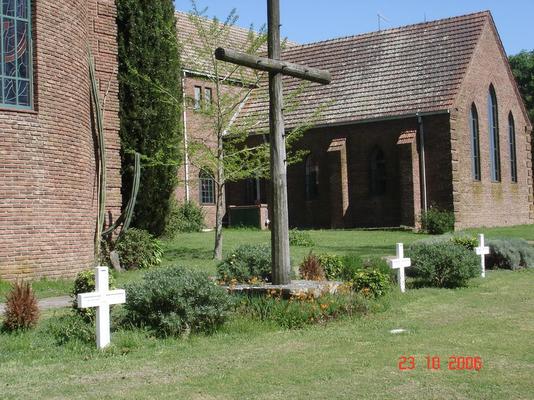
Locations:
column 198, row 98
column 208, row 97
column 378, row 173
column 207, row 187
column 493, row 123
column 475, row 142
column 15, row 52
column 513, row 151
column 312, row 179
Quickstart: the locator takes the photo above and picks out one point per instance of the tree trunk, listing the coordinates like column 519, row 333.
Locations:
column 219, row 214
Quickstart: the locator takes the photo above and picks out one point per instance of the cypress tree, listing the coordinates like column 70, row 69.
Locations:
column 150, row 105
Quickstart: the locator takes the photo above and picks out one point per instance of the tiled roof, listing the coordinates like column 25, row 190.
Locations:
column 194, row 55
column 395, row 72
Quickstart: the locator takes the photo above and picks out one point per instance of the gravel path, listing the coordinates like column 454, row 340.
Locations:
column 51, row 302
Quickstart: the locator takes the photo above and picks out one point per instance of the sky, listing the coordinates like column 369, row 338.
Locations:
column 307, row 21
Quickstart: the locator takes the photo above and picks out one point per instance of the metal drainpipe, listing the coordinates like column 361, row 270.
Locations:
column 186, row 152
column 422, row 161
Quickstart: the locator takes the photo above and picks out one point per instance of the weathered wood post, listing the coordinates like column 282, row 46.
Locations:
column 276, row 68
column 280, row 224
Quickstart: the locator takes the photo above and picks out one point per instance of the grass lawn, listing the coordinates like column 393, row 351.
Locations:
column 195, row 249
column 347, row 359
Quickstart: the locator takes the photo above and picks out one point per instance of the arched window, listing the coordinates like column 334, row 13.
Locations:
column 475, row 142
column 378, row 172
column 207, row 187
column 493, row 123
column 15, row 53
column 312, row 179
column 513, row 152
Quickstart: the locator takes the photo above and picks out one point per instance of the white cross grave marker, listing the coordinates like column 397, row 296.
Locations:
column 102, row 298
column 400, row 263
column 482, row 250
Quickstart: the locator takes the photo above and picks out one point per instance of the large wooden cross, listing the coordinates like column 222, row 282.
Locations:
column 279, row 225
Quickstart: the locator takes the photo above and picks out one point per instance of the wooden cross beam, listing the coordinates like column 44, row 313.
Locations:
column 281, row 267
column 276, row 66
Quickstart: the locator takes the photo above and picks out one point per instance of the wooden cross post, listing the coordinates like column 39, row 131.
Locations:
column 276, row 68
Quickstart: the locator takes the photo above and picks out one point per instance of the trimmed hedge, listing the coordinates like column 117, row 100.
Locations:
column 246, row 263
column 176, row 301
column 442, row 264
column 510, row 253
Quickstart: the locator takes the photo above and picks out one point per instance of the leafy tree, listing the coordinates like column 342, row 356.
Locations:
column 149, row 81
column 236, row 156
column 523, row 70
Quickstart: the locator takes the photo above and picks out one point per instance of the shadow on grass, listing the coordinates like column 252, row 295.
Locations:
column 188, row 253
column 377, row 250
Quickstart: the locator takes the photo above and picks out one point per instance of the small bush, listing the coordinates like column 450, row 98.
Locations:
column 437, row 222
column 379, row 264
column 469, row 242
column 138, row 249
column 85, row 283
column 351, row 265
column 332, row 265
column 311, row 269
column 370, row 282
column 303, row 309
column 185, row 217
column 443, row 264
column 246, row 263
column 510, row 254
column 176, row 301
column 22, row 310
column 300, row 238
column 71, row 327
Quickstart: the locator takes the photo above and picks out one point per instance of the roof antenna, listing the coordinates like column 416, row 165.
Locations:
column 380, row 19
column 425, row 16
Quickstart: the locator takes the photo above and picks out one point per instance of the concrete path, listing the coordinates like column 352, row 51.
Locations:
column 51, row 302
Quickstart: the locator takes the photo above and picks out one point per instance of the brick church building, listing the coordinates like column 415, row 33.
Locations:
column 427, row 115
column 48, row 196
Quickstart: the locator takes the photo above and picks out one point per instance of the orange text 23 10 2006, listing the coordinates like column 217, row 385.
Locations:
column 455, row 363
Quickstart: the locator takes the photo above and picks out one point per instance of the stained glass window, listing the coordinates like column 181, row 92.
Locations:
column 493, row 122
column 378, row 173
column 475, row 142
column 513, row 151
column 15, row 49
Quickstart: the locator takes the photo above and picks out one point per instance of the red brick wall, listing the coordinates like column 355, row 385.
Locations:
column 199, row 130
column 363, row 209
column 488, row 203
column 48, row 202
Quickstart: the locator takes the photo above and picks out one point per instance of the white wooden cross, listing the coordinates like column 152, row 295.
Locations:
column 400, row 263
column 102, row 298
column 482, row 250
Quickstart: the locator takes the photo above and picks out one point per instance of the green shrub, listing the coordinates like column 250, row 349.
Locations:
column 246, row 263
column 311, row 268
column 85, row 283
column 469, row 242
column 176, row 301
column 370, row 282
column 351, row 264
column 303, row 309
column 186, row 217
column 332, row 265
column 300, row 238
column 437, row 222
column 510, row 253
column 71, row 327
column 443, row 264
column 379, row 264
column 138, row 249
